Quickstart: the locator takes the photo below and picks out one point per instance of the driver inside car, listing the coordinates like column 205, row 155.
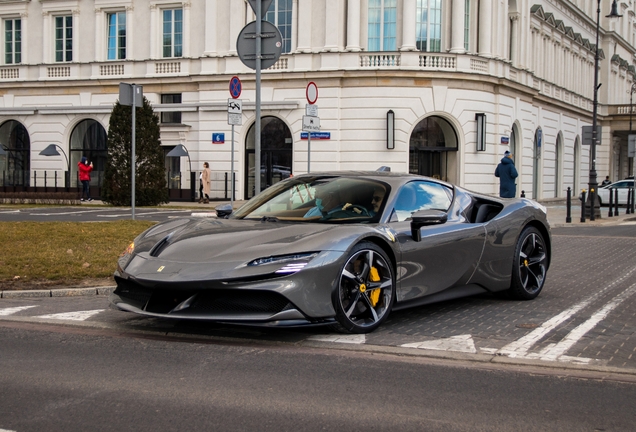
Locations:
column 325, row 202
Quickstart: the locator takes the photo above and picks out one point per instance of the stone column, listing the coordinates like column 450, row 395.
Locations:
column 304, row 26
column 408, row 26
column 457, row 26
column 210, row 27
column 353, row 25
column 485, row 28
column 332, row 29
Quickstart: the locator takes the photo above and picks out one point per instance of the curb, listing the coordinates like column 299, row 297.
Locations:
column 61, row 292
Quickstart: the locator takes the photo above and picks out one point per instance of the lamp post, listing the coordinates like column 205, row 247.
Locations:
column 51, row 150
column 592, row 182
column 180, row 151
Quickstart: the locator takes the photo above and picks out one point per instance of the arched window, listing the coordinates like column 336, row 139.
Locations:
column 280, row 14
column 428, row 25
column 431, row 143
column 382, row 25
column 15, row 166
column 89, row 139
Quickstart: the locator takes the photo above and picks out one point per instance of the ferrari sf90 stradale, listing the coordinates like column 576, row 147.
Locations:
column 341, row 249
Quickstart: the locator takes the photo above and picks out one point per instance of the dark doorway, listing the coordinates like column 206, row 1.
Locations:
column 15, row 166
column 89, row 139
column 432, row 149
column 276, row 154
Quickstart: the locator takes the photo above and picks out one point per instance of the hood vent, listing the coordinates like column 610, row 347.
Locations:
column 161, row 245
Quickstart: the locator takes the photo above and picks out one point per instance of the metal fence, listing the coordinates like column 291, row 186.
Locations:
column 181, row 186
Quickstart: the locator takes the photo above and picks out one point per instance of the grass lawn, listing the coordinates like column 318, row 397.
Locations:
column 41, row 254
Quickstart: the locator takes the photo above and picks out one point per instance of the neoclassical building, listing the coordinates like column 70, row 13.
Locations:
column 436, row 87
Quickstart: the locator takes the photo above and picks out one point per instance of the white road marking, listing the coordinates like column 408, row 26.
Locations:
column 6, row 430
column 521, row 346
column 462, row 343
column 202, row 214
column 150, row 213
column 352, row 339
column 627, row 223
column 11, row 311
column 4, row 212
column 554, row 351
column 65, row 213
column 73, row 316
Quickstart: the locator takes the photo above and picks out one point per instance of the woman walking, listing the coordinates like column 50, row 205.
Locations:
column 205, row 179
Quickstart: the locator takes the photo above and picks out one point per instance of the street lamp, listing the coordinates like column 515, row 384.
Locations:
column 592, row 183
column 180, row 151
column 51, row 150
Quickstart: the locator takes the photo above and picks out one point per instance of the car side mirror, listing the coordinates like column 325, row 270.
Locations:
column 425, row 218
column 224, row 211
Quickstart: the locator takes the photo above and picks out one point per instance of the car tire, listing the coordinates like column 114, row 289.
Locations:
column 365, row 290
column 529, row 266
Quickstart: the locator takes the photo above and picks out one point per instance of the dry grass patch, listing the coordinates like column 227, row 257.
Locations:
column 38, row 254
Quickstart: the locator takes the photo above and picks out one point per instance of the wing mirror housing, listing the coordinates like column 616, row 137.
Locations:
column 224, row 211
column 426, row 218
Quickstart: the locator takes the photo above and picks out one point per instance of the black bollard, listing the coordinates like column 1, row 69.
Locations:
column 568, row 215
column 583, row 205
column 629, row 201
column 523, row 194
column 616, row 202
column 633, row 197
column 610, row 213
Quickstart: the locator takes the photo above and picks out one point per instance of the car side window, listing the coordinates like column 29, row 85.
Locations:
column 420, row 195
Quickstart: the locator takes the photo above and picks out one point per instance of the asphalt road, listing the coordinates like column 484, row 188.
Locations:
column 96, row 213
column 61, row 380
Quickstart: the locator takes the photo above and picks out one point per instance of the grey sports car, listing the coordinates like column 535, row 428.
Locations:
column 340, row 249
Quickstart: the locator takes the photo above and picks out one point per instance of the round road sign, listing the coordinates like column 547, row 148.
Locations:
column 312, row 92
column 235, row 87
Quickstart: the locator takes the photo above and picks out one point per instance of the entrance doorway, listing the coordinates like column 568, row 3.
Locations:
column 433, row 148
column 276, row 154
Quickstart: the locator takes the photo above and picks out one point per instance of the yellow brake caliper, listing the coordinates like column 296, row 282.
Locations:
column 374, row 295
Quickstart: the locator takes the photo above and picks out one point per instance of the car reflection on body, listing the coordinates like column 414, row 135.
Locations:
column 341, row 249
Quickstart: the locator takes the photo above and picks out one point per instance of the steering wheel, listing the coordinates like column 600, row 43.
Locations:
column 358, row 210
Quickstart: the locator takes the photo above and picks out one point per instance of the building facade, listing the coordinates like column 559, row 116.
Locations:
column 440, row 88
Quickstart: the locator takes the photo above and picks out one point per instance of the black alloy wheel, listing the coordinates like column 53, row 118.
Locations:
column 529, row 266
column 366, row 290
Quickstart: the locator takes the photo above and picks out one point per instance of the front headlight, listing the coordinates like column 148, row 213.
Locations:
column 289, row 264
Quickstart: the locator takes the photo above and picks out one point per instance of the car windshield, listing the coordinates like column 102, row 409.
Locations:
column 321, row 199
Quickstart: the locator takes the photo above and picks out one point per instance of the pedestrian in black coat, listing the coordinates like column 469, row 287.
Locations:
column 507, row 174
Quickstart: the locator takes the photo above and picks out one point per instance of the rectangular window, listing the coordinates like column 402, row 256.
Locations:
column 117, row 36
column 12, row 41
column 172, row 116
column 280, row 14
column 382, row 25
column 428, row 26
column 173, row 32
column 63, row 38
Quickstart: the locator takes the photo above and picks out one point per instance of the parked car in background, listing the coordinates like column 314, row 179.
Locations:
column 623, row 186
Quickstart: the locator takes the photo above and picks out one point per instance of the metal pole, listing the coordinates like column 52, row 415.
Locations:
column 257, row 125
column 232, row 171
column 308, row 151
column 592, row 182
column 132, row 152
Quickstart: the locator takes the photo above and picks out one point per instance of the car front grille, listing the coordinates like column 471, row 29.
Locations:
column 212, row 302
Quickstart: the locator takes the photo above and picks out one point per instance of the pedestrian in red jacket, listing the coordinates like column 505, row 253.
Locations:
column 85, row 177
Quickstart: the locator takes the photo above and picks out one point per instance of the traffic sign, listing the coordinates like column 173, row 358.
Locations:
column 311, row 124
column 271, row 45
column 235, row 112
column 311, row 110
column 312, row 92
column 235, row 87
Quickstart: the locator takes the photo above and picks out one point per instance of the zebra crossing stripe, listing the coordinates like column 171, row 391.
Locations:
column 11, row 311
column 73, row 316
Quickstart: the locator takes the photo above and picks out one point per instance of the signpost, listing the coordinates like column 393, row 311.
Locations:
column 259, row 45
column 234, row 117
column 132, row 95
column 311, row 121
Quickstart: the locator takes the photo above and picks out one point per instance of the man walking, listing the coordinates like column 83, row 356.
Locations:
column 507, row 174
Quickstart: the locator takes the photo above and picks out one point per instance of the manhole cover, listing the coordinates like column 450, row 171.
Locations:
column 527, row 326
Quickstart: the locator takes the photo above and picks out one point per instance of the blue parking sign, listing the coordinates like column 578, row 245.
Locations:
column 218, row 138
